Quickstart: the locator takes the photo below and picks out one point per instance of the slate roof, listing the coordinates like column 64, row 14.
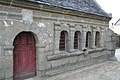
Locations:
column 88, row 6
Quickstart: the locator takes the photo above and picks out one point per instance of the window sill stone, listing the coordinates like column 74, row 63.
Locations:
column 63, row 54
column 96, row 50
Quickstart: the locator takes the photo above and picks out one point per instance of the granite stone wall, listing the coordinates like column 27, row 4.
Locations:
column 46, row 27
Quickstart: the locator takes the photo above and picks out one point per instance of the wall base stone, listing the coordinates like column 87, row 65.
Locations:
column 75, row 65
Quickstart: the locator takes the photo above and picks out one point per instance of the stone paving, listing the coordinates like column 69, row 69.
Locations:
column 109, row 70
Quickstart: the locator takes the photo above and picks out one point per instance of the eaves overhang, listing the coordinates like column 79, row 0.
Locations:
column 51, row 8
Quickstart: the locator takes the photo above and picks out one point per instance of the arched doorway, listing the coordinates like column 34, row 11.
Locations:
column 24, row 58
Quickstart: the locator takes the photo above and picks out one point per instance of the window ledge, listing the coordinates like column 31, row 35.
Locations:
column 63, row 54
column 96, row 50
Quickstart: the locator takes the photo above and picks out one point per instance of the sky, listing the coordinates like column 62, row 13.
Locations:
column 111, row 6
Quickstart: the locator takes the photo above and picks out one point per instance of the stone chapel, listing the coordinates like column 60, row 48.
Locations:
column 41, row 38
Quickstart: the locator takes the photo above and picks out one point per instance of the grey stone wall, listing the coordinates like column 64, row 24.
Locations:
column 46, row 28
column 111, row 40
column 117, row 40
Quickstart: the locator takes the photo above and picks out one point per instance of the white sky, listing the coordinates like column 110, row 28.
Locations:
column 111, row 6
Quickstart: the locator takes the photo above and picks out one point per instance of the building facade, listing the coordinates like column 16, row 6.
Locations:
column 43, row 38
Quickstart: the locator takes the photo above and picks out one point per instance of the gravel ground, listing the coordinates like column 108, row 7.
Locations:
column 109, row 70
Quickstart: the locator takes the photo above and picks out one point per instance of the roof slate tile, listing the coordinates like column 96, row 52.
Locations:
column 87, row 6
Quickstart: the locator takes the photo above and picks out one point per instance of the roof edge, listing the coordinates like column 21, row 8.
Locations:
column 101, row 8
column 44, row 7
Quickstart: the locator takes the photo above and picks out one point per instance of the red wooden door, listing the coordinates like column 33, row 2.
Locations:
column 24, row 56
